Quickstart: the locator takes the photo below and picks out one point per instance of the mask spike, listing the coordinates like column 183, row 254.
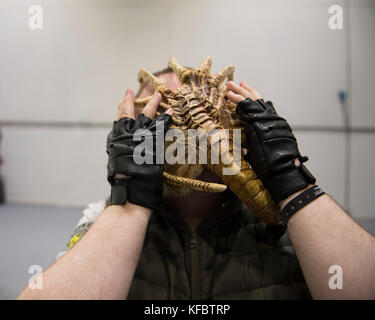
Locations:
column 205, row 66
column 226, row 72
column 145, row 76
column 181, row 72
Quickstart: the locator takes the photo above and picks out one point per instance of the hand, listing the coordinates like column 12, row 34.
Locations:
column 273, row 149
column 141, row 184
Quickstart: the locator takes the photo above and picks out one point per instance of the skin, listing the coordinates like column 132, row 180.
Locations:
column 102, row 264
column 109, row 252
column 195, row 206
column 322, row 235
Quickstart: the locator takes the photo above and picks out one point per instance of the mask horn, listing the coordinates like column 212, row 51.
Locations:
column 226, row 72
column 205, row 66
column 181, row 72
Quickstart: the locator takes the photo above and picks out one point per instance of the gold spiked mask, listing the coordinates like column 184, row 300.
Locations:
column 201, row 104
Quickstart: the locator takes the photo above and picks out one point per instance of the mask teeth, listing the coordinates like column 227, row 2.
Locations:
column 193, row 184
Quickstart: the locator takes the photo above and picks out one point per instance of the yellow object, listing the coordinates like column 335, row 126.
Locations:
column 73, row 240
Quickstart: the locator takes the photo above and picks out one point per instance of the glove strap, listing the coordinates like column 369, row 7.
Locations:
column 299, row 202
column 289, row 182
column 119, row 192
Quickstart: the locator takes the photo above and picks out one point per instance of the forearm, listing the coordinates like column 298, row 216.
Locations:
column 323, row 235
column 102, row 264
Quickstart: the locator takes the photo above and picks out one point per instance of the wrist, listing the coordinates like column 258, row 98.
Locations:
column 299, row 202
column 137, row 209
column 131, row 208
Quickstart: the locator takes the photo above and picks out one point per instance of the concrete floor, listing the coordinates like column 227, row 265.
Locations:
column 34, row 235
column 31, row 235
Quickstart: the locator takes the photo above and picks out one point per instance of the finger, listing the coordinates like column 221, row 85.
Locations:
column 126, row 107
column 118, row 115
column 238, row 90
column 254, row 94
column 235, row 97
column 151, row 107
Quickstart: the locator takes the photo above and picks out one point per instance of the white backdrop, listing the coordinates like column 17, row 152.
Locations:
column 60, row 86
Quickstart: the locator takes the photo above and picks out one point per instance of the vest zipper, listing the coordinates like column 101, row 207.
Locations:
column 194, row 267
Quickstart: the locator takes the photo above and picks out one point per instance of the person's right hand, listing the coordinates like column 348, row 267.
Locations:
column 141, row 184
column 272, row 147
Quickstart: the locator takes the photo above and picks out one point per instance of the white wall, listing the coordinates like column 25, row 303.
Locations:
column 59, row 87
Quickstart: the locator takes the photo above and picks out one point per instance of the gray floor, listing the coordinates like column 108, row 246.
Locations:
column 34, row 235
column 31, row 235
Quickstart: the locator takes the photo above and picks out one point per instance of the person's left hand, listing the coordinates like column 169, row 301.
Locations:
column 273, row 149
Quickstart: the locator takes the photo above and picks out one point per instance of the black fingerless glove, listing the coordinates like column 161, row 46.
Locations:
column 272, row 149
column 143, row 184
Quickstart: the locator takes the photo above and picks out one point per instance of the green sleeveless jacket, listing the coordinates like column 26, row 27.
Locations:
column 232, row 257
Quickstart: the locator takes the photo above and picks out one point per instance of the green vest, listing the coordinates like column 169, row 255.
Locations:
column 232, row 257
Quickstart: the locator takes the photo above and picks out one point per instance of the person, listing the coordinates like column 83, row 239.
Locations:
column 144, row 245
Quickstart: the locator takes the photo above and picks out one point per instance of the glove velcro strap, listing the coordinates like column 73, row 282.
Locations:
column 283, row 185
column 145, row 194
column 306, row 173
column 119, row 193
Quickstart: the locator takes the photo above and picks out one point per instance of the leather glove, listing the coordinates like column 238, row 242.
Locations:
column 141, row 184
column 272, row 149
